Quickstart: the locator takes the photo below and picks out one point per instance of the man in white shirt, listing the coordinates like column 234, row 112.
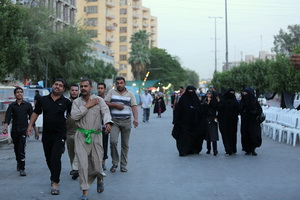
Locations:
column 146, row 102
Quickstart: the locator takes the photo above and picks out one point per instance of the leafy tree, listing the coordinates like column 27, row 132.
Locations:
column 100, row 71
column 140, row 54
column 13, row 48
column 193, row 78
column 285, row 42
column 166, row 68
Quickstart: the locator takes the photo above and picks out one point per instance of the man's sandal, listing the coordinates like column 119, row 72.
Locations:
column 123, row 169
column 100, row 186
column 113, row 168
column 55, row 191
column 84, row 197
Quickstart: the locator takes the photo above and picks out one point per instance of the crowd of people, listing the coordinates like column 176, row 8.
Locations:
column 199, row 117
column 84, row 120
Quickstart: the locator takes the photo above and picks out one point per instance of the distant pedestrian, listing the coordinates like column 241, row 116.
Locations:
column 19, row 112
column 37, row 96
column 177, row 96
column 146, row 102
column 89, row 111
column 189, row 124
column 55, row 108
column 71, row 130
column 101, row 88
column 201, row 95
column 228, row 111
column 121, row 103
column 250, row 127
column 159, row 105
column 210, row 105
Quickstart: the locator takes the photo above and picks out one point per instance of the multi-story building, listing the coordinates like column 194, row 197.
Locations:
column 63, row 12
column 112, row 23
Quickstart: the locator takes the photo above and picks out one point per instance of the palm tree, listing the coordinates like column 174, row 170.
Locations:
column 140, row 54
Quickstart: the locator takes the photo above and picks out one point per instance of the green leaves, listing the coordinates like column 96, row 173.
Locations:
column 140, row 54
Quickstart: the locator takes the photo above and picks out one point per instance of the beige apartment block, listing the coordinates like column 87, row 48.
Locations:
column 112, row 23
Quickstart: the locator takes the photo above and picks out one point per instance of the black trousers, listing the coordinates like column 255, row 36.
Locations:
column 54, row 146
column 214, row 143
column 105, row 145
column 19, row 141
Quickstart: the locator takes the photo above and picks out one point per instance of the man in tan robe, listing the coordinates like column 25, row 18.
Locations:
column 89, row 110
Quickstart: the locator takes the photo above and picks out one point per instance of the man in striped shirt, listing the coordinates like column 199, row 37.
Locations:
column 121, row 103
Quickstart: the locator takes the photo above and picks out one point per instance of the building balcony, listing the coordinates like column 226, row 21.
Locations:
column 110, row 39
column 110, row 28
column 153, row 32
column 135, row 25
column 135, row 7
column 153, row 25
column 110, row 4
column 145, row 25
column 136, row 16
column 110, row 16
column 145, row 17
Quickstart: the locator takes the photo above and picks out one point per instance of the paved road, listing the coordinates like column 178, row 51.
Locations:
column 157, row 172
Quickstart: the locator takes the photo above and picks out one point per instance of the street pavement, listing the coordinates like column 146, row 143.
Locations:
column 156, row 172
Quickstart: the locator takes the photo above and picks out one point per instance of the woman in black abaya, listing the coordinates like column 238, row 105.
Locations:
column 250, row 127
column 189, row 125
column 228, row 111
column 210, row 105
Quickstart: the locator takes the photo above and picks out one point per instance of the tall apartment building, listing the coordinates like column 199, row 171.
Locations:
column 62, row 11
column 112, row 23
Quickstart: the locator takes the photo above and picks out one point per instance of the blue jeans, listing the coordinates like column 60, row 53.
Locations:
column 146, row 114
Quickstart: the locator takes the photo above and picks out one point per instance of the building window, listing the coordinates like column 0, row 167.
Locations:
column 123, row 38
column 72, row 16
column 123, row 2
column 123, row 57
column 123, row 74
column 92, row 33
column 92, row 0
column 122, row 66
column 91, row 9
column 91, row 22
column 58, row 10
column 123, row 11
column 123, row 20
column 123, row 48
column 66, row 13
column 123, row 29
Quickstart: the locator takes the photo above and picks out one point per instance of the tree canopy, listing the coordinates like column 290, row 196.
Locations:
column 140, row 54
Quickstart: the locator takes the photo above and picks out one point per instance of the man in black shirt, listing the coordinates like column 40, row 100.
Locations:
column 55, row 108
column 19, row 111
column 37, row 96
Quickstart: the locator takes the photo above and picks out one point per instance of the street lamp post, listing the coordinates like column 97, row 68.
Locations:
column 216, row 41
column 226, row 35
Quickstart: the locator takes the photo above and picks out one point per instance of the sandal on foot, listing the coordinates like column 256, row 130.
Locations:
column 55, row 191
column 100, row 186
column 123, row 169
column 114, row 168
column 84, row 197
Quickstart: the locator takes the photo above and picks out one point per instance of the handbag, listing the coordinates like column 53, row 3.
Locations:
column 261, row 118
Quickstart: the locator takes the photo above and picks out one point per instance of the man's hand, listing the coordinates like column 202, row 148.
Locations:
column 135, row 123
column 107, row 128
column 29, row 130
column 37, row 136
column 92, row 103
column 119, row 106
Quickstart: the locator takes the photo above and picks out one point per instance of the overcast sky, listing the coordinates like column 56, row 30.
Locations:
column 185, row 29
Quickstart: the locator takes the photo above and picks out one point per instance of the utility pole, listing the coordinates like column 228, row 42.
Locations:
column 226, row 35
column 216, row 64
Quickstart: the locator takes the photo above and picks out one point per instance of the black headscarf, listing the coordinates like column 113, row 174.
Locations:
column 229, row 95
